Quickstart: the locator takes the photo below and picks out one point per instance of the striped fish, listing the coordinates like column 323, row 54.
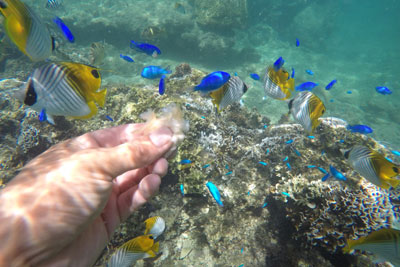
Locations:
column 26, row 30
column 384, row 243
column 277, row 83
column 54, row 4
column 65, row 89
column 306, row 109
column 229, row 93
column 135, row 249
column 373, row 166
column 154, row 226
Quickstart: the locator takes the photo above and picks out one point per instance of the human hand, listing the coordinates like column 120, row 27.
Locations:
column 63, row 207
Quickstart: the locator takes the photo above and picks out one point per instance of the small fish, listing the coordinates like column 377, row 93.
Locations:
column 288, row 165
column 135, row 249
column 203, row 117
column 326, row 176
column 264, row 205
column 311, row 166
column 54, row 4
column 155, row 226
column 395, row 152
column 182, row 190
column 263, row 163
column 65, row 30
column 185, row 161
column 306, row 109
column 215, row 193
column 311, row 136
column 341, row 141
column 109, row 118
column 42, row 115
column 180, row 8
column 26, row 30
column 373, row 166
column 213, row 81
column 285, row 159
column 226, row 166
column 236, row 74
column 242, row 250
column 297, row 42
column 206, row 166
column 97, row 53
column 229, row 173
column 363, row 129
column 265, row 126
column 292, row 76
column 322, row 170
column 64, row 89
column 389, row 159
column 297, row 152
column 384, row 243
column 277, row 82
column 309, row 72
column 338, row 175
column 161, row 85
column 126, row 58
column 285, row 194
column 383, row 90
column 229, row 93
column 349, row 92
column 266, row 152
column 255, row 76
column 331, row 100
column 154, row 72
column 289, row 141
column 307, row 86
column 148, row 49
column 279, row 63
column 330, row 85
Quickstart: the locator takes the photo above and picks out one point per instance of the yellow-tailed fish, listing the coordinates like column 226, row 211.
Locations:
column 140, row 247
column 278, row 84
column 229, row 93
column 373, row 166
column 384, row 243
column 64, row 89
column 26, row 30
column 306, row 109
column 154, row 226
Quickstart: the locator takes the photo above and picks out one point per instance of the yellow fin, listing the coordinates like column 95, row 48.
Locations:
column 392, row 182
column 17, row 31
column 93, row 111
column 100, row 97
column 156, row 247
column 149, row 224
column 217, row 96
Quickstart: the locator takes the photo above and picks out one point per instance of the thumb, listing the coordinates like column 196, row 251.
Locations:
column 137, row 153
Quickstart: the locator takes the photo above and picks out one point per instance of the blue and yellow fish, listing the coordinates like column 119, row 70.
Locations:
column 26, row 30
column 373, row 166
column 64, row 89
column 277, row 82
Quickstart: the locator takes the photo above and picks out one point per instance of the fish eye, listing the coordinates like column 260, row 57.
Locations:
column 151, row 237
column 323, row 111
column 395, row 169
column 3, row 5
column 95, row 74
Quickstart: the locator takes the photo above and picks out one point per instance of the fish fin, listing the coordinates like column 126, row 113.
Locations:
column 50, row 119
column 100, row 97
column 156, row 247
column 392, row 182
column 17, row 32
column 217, row 96
column 93, row 111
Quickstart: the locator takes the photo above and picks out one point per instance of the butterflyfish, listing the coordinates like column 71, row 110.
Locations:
column 26, row 30
column 140, row 247
column 277, row 83
column 154, row 226
column 229, row 93
column 373, row 166
column 306, row 109
column 384, row 243
column 64, row 89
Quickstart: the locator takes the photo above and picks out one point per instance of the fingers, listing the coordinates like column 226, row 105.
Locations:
column 136, row 196
column 139, row 153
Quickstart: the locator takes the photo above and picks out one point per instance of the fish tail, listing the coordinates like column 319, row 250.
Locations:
column 100, row 97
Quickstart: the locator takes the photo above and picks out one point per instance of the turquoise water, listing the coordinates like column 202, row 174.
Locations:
column 355, row 42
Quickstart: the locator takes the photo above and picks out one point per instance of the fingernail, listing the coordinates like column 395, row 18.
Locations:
column 161, row 136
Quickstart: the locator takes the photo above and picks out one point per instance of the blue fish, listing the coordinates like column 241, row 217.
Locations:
column 389, row 159
column 109, row 118
column 363, row 129
column 148, row 49
column 285, row 194
column 229, row 173
column 42, row 115
column 395, row 152
column 279, row 63
column 383, row 90
column 292, row 73
column 297, row 152
column 322, row 170
column 264, row 205
column 227, row 166
column 286, row 158
column 307, row 86
column 310, row 72
column 215, row 193
column 311, row 166
column 311, row 136
column 65, row 30
column 126, row 58
column 263, row 163
column 288, row 165
column 297, row 42
column 289, row 141
column 338, row 175
column 185, row 161
column 154, row 72
column 161, row 85
column 330, row 85
column 182, row 190
column 206, row 166
column 255, row 76
column 212, row 81
column 326, row 176
column 349, row 92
